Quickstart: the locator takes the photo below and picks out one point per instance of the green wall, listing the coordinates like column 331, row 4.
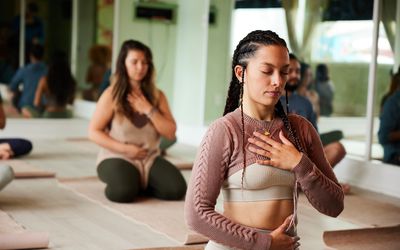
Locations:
column 159, row 36
column 162, row 39
column 219, row 60
column 351, row 87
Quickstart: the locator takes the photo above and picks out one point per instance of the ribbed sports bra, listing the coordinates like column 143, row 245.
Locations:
column 260, row 183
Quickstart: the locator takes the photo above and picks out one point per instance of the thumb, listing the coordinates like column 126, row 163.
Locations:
column 284, row 139
column 285, row 225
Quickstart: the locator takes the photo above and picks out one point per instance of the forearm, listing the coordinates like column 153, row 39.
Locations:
column 163, row 125
column 104, row 140
column 323, row 193
column 38, row 97
column 202, row 218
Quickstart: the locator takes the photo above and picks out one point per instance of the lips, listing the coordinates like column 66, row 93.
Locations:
column 273, row 93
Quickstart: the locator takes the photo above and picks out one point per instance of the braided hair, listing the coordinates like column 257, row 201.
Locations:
column 246, row 49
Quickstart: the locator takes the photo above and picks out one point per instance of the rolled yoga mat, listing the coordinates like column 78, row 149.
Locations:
column 15, row 236
column 23, row 169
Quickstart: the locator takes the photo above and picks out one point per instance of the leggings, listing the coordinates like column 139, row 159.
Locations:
column 123, row 180
column 18, row 146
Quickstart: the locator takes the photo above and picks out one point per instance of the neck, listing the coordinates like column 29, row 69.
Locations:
column 135, row 84
column 302, row 90
column 258, row 111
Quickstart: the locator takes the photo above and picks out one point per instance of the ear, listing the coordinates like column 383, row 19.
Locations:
column 238, row 72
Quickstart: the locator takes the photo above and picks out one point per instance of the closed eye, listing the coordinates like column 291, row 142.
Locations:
column 267, row 73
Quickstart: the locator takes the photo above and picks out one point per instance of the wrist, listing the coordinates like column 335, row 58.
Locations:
column 151, row 112
column 123, row 149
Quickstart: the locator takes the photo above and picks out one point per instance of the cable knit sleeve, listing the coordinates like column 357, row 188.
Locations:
column 207, row 177
column 315, row 175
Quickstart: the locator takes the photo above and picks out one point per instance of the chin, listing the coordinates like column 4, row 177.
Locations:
column 269, row 103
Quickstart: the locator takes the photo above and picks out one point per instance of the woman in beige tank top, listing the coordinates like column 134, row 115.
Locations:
column 129, row 119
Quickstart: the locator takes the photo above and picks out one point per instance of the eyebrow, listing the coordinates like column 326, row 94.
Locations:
column 273, row 66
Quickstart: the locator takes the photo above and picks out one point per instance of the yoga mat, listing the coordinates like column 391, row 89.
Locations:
column 180, row 163
column 78, row 139
column 385, row 238
column 366, row 212
column 14, row 236
column 200, row 247
column 23, row 169
column 162, row 216
column 181, row 155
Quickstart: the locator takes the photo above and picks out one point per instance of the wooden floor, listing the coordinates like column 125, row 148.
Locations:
column 75, row 222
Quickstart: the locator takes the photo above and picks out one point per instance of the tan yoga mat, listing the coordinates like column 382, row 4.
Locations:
column 385, row 238
column 366, row 212
column 181, row 155
column 14, row 236
column 180, row 163
column 23, row 169
column 162, row 216
column 200, row 247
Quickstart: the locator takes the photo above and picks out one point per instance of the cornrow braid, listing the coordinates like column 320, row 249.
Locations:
column 243, row 131
column 244, row 50
column 292, row 132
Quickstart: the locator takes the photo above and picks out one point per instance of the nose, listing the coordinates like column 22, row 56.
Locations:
column 139, row 66
column 277, row 79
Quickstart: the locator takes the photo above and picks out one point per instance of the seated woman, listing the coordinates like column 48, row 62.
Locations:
column 130, row 117
column 100, row 57
column 56, row 89
column 11, row 147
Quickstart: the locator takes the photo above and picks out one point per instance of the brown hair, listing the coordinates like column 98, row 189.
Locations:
column 100, row 54
column 121, row 85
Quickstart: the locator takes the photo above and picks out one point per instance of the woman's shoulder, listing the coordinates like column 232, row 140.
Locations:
column 160, row 93
column 227, row 123
column 107, row 96
column 299, row 121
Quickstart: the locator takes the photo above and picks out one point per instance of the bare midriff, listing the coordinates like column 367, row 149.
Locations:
column 266, row 215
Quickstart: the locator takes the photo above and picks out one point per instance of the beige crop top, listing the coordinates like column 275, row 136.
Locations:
column 260, row 183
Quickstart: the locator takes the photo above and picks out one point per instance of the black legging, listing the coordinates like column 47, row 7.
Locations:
column 123, row 180
column 18, row 146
